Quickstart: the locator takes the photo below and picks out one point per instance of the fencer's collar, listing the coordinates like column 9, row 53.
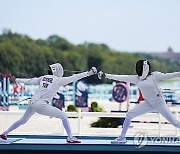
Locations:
column 145, row 70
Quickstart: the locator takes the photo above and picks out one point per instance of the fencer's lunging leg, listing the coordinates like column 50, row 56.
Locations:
column 42, row 107
column 140, row 109
column 166, row 113
column 27, row 115
column 67, row 126
column 126, row 125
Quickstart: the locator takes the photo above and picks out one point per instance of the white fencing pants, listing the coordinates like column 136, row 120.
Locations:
column 139, row 109
column 41, row 107
column 145, row 107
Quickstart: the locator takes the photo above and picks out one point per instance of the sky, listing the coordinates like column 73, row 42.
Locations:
column 124, row 25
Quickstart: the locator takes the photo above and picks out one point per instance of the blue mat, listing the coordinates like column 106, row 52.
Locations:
column 89, row 144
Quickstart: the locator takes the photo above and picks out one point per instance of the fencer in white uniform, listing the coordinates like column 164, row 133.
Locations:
column 48, row 86
column 148, row 83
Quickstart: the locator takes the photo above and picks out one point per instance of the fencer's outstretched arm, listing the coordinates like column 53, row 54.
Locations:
column 124, row 78
column 67, row 80
column 165, row 76
column 29, row 81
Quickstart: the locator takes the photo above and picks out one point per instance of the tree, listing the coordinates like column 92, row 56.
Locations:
column 25, row 57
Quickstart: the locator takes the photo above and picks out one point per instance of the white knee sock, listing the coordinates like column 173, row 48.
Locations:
column 13, row 126
column 67, row 127
column 126, row 126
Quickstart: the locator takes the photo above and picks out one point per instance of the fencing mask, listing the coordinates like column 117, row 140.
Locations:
column 57, row 69
column 142, row 69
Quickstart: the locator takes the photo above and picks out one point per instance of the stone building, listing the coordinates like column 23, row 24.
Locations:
column 169, row 55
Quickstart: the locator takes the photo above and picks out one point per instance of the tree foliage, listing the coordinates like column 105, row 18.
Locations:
column 24, row 57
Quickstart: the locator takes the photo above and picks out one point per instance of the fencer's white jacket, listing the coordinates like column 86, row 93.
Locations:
column 149, row 86
column 49, row 84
